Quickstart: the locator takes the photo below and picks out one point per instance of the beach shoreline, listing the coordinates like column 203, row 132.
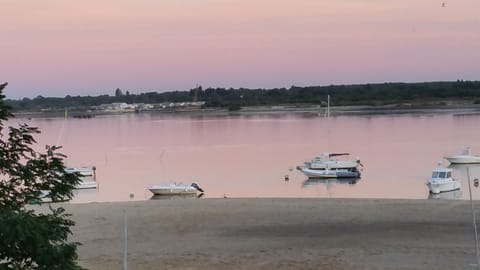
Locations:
column 276, row 233
column 394, row 109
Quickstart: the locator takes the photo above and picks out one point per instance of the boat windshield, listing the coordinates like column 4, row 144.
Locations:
column 441, row 175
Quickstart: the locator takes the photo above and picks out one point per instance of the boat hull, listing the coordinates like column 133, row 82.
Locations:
column 333, row 165
column 174, row 196
column 172, row 190
column 314, row 173
column 87, row 185
column 437, row 187
column 82, row 171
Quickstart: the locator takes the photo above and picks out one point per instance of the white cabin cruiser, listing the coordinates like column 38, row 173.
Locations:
column 323, row 166
column 464, row 157
column 175, row 189
column 442, row 181
column 87, row 177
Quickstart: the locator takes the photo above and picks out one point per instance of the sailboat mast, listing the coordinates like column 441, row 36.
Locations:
column 328, row 106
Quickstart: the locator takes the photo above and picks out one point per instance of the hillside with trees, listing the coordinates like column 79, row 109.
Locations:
column 361, row 94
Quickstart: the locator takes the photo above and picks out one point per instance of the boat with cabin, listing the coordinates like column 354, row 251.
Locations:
column 328, row 161
column 325, row 165
column 442, row 181
column 464, row 157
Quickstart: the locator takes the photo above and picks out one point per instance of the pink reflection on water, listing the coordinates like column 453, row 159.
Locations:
column 248, row 156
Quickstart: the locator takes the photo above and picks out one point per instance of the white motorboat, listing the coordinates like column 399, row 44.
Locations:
column 174, row 189
column 464, row 157
column 87, row 177
column 442, row 181
column 324, row 166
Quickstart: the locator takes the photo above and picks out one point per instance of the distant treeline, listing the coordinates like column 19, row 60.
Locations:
column 361, row 94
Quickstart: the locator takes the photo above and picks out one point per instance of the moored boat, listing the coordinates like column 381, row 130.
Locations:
column 442, row 181
column 464, row 157
column 450, row 195
column 325, row 166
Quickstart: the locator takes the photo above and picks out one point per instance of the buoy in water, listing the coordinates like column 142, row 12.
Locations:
column 287, row 177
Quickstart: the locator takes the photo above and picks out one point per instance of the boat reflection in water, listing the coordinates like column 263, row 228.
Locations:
column 329, row 181
column 177, row 196
column 449, row 195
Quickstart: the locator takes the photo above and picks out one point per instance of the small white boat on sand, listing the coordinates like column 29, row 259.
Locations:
column 464, row 157
column 175, row 189
column 442, row 181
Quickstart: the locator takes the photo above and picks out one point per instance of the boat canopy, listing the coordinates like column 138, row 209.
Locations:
column 338, row 154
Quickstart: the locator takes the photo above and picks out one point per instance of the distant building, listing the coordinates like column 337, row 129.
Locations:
column 116, row 107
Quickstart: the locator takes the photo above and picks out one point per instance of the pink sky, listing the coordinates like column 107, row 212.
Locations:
column 55, row 48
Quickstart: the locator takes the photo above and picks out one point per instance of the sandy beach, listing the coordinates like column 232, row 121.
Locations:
column 450, row 107
column 277, row 234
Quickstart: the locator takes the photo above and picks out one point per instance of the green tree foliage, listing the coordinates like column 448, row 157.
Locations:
column 31, row 240
column 118, row 92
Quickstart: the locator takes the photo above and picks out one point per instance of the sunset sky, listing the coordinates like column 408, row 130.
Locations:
column 55, row 48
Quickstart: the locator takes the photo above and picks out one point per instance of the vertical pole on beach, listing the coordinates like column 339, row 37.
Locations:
column 474, row 220
column 125, row 233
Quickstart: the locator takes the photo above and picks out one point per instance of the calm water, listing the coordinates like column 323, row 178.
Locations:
column 248, row 156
